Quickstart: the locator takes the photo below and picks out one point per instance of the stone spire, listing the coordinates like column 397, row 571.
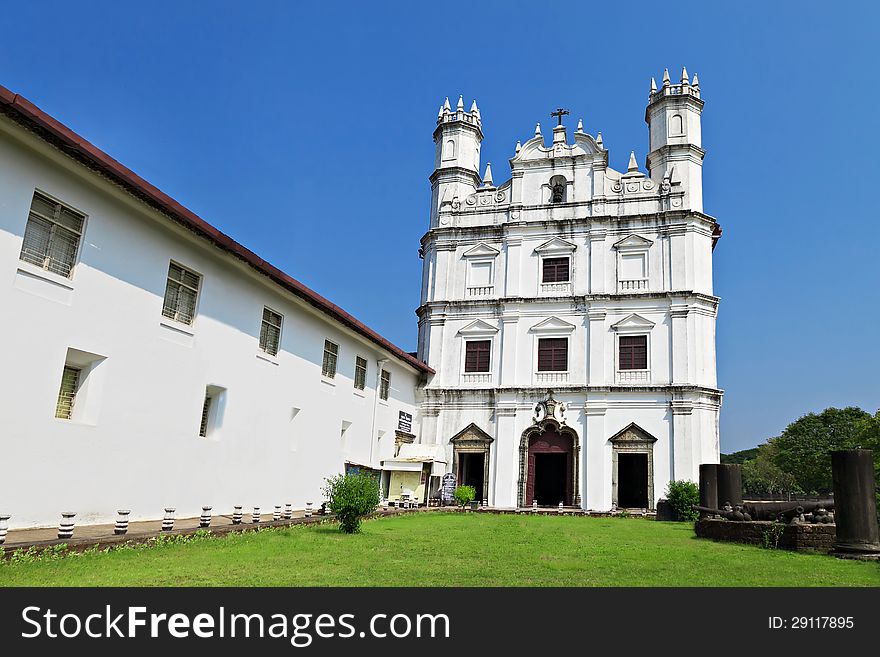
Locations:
column 666, row 81
column 653, row 85
column 696, row 83
column 460, row 105
column 474, row 109
column 599, row 139
column 518, row 146
column 440, row 113
column 487, row 177
column 580, row 127
column 537, row 130
column 446, row 105
column 633, row 165
column 684, row 76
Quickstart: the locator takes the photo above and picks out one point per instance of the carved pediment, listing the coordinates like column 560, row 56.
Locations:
column 471, row 433
column 552, row 325
column 556, row 245
column 632, row 434
column 633, row 242
column 478, row 328
column 633, row 323
column 481, row 251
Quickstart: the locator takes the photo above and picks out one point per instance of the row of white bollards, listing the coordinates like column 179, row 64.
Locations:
column 120, row 527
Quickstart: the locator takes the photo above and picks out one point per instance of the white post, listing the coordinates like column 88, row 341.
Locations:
column 308, row 509
column 4, row 527
column 121, row 526
column 384, row 505
column 255, row 516
column 168, row 520
column 560, row 508
column 534, row 506
column 276, row 515
column 485, row 503
column 65, row 528
column 236, row 514
column 288, row 511
column 205, row 518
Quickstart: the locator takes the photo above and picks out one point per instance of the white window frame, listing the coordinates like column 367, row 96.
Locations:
column 633, row 326
column 280, row 327
column 216, row 411
column 89, row 389
column 168, row 280
column 324, row 376
column 553, row 327
column 478, row 255
column 477, row 330
column 633, row 245
column 555, row 248
column 384, row 400
column 360, row 390
column 44, row 268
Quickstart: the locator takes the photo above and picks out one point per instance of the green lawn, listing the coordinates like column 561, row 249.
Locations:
column 444, row 549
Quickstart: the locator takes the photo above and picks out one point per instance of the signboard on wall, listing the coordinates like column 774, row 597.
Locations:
column 447, row 488
column 404, row 422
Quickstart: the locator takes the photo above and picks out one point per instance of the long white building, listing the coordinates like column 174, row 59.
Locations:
column 566, row 344
column 152, row 361
column 568, row 312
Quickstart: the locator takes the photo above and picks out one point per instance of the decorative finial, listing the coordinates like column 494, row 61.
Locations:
column 665, row 77
column 580, row 125
column 696, row 83
column 487, row 177
column 599, row 140
column 460, row 105
column 633, row 165
column 684, row 76
column 518, row 146
column 653, row 85
column 537, row 130
column 474, row 106
column 440, row 113
column 446, row 105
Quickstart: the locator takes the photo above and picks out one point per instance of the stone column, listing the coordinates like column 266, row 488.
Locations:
column 513, row 266
column 596, row 347
column 506, row 450
column 597, row 261
column 709, row 485
column 730, row 485
column 679, row 356
column 855, row 505
column 683, row 456
column 596, row 458
column 509, row 324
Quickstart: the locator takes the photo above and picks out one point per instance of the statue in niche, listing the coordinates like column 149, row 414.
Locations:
column 557, row 193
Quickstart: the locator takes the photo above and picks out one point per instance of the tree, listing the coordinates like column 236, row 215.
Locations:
column 804, row 448
column 352, row 496
column 762, row 476
column 682, row 495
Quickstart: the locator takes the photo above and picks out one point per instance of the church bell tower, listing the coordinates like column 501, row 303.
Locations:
column 676, row 155
column 456, row 174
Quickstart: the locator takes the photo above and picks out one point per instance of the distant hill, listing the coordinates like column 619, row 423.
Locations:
column 739, row 457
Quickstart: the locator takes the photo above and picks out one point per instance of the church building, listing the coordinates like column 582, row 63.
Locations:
column 568, row 311
column 566, row 335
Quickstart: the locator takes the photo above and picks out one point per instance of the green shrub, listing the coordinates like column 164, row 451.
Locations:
column 464, row 495
column 681, row 495
column 352, row 496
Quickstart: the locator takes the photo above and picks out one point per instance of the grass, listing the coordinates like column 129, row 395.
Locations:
column 444, row 549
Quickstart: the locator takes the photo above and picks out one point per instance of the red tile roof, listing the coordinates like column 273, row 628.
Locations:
column 56, row 133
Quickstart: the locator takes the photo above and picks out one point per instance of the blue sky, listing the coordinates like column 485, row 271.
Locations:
column 303, row 130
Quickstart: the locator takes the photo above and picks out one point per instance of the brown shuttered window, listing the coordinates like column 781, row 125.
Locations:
column 476, row 355
column 181, row 293
column 270, row 332
column 385, row 385
column 360, row 373
column 52, row 235
column 555, row 270
column 633, row 352
column 553, row 354
column 331, row 353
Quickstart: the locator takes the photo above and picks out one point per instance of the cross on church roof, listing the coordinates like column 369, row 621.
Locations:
column 559, row 113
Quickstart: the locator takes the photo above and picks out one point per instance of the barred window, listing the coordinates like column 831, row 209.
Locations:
column 633, row 352
column 331, row 353
column 52, row 236
column 385, row 385
column 67, row 393
column 270, row 331
column 553, row 354
column 360, row 373
column 181, row 293
column 206, row 413
column 476, row 355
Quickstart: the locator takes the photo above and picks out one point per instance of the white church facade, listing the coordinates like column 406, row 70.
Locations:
column 566, row 335
column 568, row 312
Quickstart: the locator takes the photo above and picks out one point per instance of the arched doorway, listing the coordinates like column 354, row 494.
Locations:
column 550, row 468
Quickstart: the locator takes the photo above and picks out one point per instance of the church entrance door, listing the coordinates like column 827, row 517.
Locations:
column 550, row 463
column 471, row 469
column 632, row 473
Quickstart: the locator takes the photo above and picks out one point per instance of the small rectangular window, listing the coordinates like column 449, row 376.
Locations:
column 331, row 353
column 360, row 373
column 476, row 355
column 206, row 414
column 633, row 352
column 385, row 385
column 553, row 355
column 555, row 270
column 67, row 393
column 270, row 331
column 181, row 294
column 632, row 267
column 52, row 236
